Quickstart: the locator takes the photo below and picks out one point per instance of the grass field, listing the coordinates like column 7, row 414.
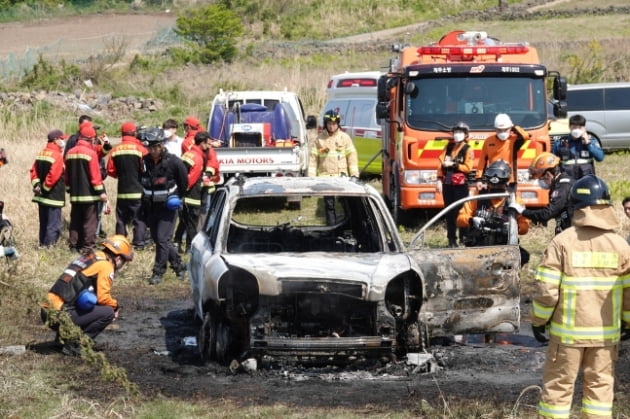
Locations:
column 34, row 387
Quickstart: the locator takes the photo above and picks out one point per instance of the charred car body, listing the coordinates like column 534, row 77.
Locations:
column 269, row 278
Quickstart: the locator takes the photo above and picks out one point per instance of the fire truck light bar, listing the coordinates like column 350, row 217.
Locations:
column 471, row 51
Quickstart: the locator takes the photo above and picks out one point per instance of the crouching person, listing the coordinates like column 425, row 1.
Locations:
column 83, row 291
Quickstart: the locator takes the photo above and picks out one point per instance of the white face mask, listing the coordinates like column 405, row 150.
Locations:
column 577, row 133
column 459, row 137
column 62, row 144
column 503, row 135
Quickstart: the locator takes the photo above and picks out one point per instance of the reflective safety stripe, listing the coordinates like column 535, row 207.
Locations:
column 192, row 201
column 554, row 411
column 161, row 192
column 550, row 276
column 569, row 334
column 133, row 195
column 592, row 283
column 49, row 202
column 541, row 311
column 626, row 316
column 597, row 408
column 572, row 162
column 594, row 259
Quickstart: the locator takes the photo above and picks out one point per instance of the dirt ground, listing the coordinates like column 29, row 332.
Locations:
column 155, row 342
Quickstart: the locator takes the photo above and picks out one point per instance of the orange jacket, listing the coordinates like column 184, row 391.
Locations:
column 463, row 166
column 494, row 149
column 469, row 208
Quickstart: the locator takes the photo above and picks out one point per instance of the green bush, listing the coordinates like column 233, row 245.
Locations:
column 47, row 76
column 210, row 32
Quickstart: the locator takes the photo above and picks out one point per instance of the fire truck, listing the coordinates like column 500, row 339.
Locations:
column 466, row 76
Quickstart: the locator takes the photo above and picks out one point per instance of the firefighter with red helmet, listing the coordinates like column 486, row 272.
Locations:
column 84, row 291
column 582, row 301
column 546, row 169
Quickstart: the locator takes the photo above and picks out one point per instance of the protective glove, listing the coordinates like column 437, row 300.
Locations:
column 37, row 190
column 477, row 222
column 517, row 207
column 448, row 163
column 8, row 251
column 540, row 333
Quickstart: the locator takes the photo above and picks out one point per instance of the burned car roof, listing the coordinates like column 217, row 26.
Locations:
column 301, row 185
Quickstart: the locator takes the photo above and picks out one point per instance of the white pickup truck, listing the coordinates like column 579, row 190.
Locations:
column 262, row 133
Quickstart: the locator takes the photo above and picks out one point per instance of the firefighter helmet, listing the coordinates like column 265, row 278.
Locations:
column 332, row 116
column 543, row 162
column 461, row 126
column 151, row 135
column 589, row 190
column 503, row 121
column 119, row 245
column 497, row 173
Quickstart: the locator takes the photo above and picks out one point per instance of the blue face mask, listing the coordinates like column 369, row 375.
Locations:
column 543, row 184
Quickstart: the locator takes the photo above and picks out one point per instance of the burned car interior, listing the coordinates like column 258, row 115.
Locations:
column 252, row 230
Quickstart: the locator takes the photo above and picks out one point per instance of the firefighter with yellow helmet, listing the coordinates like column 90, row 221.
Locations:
column 333, row 154
column 583, row 302
column 83, row 290
column 546, row 169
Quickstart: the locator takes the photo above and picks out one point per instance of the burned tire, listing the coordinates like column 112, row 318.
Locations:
column 208, row 339
column 223, row 342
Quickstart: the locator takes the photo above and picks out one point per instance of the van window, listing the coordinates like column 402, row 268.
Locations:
column 617, row 99
column 361, row 113
column 585, row 100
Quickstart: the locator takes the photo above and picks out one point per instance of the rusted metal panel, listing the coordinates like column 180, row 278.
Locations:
column 470, row 290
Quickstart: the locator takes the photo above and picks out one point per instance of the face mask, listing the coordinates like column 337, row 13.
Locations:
column 459, row 137
column 576, row 133
column 503, row 135
column 543, row 184
column 62, row 144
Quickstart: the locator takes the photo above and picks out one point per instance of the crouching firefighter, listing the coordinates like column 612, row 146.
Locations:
column 83, row 291
column 488, row 219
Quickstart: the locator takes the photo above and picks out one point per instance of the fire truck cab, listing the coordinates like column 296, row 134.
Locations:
column 469, row 77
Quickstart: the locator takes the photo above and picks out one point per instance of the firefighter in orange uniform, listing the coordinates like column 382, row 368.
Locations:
column 487, row 219
column 84, row 290
column 455, row 162
column 583, row 302
column 507, row 140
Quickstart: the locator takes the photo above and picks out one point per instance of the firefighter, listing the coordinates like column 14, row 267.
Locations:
column 582, row 301
column 487, row 220
column 333, row 154
column 200, row 170
column 455, row 162
column 578, row 152
column 546, row 169
column 504, row 145
column 164, row 180
column 83, row 291
column 125, row 164
column 49, row 189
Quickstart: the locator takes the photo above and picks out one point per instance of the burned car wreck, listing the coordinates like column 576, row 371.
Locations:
column 270, row 277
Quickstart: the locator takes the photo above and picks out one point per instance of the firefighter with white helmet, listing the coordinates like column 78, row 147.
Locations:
column 333, row 154
column 83, row 290
column 583, row 302
column 503, row 145
column 546, row 169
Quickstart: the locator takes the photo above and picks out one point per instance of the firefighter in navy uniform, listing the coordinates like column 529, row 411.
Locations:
column 546, row 169
column 84, row 291
column 164, row 180
column 578, row 152
column 487, row 220
column 582, row 300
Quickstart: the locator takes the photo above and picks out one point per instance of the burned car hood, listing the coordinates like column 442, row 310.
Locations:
column 372, row 270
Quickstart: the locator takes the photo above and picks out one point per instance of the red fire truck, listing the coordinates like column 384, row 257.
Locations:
column 469, row 77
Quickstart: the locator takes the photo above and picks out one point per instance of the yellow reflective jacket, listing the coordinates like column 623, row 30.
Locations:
column 583, row 281
column 333, row 155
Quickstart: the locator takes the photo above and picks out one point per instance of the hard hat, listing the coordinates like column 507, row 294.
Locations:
column 87, row 130
column 503, row 121
column 461, row 126
column 192, row 122
column 128, row 128
column 543, row 162
column 151, row 135
column 173, row 202
column 332, row 116
column 589, row 190
column 498, row 172
column 86, row 300
column 119, row 245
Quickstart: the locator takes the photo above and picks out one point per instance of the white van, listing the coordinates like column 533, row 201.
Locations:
column 606, row 107
column 353, row 96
